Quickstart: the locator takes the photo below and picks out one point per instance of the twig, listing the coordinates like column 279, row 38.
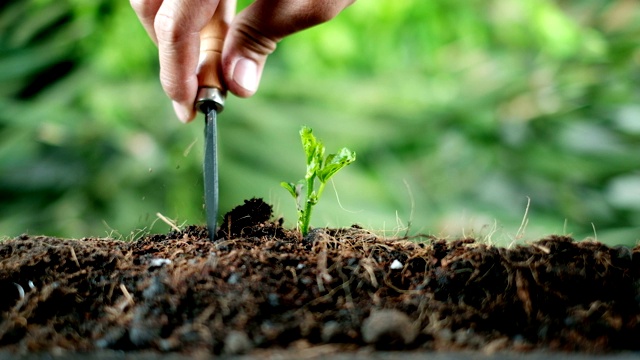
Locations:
column 127, row 295
column 186, row 151
column 74, row 257
column 525, row 220
column 168, row 222
column 542, row 248
column 413, row 207
column 368, row 268
column 322, row 274
column 346, row 283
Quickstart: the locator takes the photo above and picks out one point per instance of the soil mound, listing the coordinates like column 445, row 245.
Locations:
column 261, row 286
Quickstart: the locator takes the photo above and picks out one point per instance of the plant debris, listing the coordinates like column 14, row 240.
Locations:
column 262, row 286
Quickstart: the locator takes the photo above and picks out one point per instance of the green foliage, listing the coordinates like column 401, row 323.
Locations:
column 460, row 110
column 317, row 167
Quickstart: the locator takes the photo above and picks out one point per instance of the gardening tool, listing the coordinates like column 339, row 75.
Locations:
column 210, row 101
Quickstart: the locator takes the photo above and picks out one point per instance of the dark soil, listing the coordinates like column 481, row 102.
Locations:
column 262, row 286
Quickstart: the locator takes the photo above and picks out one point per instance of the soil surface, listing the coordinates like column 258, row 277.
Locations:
column 260, row 286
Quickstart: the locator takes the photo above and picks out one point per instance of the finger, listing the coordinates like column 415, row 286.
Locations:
column 177, row 27
column 146, row 11
column 256, row 30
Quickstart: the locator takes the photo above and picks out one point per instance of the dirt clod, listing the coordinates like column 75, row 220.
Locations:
column 240, row 221
column 261, row 286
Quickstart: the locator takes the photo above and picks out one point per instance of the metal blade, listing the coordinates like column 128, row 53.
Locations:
column 211, row 170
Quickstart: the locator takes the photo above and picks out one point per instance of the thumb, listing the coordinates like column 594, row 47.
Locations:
column 246, row 47
column 255, row 32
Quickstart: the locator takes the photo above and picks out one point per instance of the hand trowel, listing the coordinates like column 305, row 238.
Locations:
column 210, row 101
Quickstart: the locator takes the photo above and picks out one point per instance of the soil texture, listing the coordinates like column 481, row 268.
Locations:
column 261, row 286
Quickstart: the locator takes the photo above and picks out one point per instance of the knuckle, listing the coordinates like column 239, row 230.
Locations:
column 166, row 27
column 173, row 27
column 255, row 40
column 317, row 17
column 313, row 14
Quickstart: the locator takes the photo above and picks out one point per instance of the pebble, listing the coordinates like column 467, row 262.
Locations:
column 158, row 262
column 388, row 328
column 236, row 343
column 331, row 331
column 396, row 265
column 20, row 291
column 234, row 278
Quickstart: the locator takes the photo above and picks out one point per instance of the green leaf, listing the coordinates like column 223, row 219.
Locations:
column 313, row 149
column 309, row 143
column 291, row 187
column 334, row 163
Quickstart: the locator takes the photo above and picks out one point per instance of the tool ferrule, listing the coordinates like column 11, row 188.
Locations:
column 209, row 97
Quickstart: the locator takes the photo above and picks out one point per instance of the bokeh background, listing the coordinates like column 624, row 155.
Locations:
column 467, row 117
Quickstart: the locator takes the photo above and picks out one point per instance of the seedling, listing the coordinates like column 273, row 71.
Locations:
column 318, row 167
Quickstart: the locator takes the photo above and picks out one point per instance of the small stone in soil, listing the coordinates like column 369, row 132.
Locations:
column 388, row 329
column 236, row 343
column 396, row 265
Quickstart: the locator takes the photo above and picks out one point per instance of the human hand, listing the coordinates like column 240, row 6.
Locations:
column 174, row 26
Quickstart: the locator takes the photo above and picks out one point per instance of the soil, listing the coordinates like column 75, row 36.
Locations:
column 260, row 286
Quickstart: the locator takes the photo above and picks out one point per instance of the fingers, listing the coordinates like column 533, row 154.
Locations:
column 177, row 27
column 256, row 30
column 146, row 11
column 174, row 26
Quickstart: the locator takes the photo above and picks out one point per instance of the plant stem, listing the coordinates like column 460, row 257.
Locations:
column 320, row 189
column 311, row 201
column 306, row 213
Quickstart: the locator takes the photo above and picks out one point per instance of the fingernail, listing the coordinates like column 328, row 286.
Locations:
column 184, row 114
column 245, row 74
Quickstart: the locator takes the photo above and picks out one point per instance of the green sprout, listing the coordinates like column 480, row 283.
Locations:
column 317, row 167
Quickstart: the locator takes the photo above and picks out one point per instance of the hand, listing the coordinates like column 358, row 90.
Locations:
column 174, row 25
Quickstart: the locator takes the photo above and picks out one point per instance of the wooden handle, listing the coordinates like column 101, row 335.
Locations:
column 211, row 42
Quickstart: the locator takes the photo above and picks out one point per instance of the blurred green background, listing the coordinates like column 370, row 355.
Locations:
column 459, row 111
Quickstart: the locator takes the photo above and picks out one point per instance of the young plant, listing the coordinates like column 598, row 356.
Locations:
column 318, row 167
